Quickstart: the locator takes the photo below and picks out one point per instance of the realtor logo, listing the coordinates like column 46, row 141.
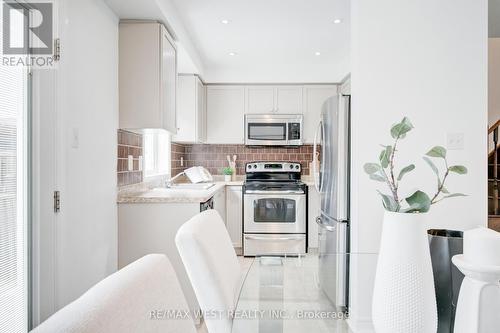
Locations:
column 27, row 28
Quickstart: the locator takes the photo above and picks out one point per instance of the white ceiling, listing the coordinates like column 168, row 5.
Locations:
column 275, row 40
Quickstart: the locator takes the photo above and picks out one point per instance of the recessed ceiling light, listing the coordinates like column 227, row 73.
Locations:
column 233, row 53
column 337, row 21
column 317, row 53
column 225, row 21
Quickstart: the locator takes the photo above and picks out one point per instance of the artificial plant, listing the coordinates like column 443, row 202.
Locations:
column 385, row 171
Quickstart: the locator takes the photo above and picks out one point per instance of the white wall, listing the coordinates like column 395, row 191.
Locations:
column 426, row 60
column 87, row 91
column 494, row 80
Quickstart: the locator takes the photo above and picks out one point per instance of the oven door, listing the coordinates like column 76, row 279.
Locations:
column 274, row 213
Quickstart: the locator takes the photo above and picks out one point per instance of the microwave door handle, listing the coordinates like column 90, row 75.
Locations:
column 315, row 160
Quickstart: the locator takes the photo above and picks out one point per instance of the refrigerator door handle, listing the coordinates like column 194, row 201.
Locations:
column 320, row 223
column 315, row 160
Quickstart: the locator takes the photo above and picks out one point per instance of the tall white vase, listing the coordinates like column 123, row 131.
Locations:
column 404, row 300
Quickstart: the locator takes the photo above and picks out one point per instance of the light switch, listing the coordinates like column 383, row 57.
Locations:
column 182, row 161
column 455, row 141
column 130, row 163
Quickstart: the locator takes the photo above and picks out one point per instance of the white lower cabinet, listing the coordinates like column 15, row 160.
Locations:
column 220, row 203
column 234, row 214
column 313, row 212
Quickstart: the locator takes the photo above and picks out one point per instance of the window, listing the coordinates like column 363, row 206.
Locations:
column 13, row 198
column 156, row 153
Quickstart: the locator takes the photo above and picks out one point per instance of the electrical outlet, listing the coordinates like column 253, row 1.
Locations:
column 140, row 163
column 455, row 141
column 182, row 161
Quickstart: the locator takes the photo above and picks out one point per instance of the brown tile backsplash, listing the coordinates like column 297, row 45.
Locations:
column 128, row 144
column 213, row 157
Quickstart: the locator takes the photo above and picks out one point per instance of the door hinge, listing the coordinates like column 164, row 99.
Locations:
column 57, row 49
column 57, row 201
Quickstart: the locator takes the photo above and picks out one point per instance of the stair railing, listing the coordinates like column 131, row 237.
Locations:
column 494, row 129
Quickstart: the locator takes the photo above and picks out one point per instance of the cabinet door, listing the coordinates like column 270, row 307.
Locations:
column 201, row 112
column 260, row 99
column 289, row 99
column 234, row 214
column 315, row 96
column 168, row 84
column 186, row 109
column 225, row 114
column 220, row 203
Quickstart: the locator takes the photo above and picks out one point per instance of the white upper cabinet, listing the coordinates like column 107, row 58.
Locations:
column 225, row 114
column 260, row 99
column 273, row 99
column 314, row 97
column 147, row 76
column 289, row 99
column 191, row 111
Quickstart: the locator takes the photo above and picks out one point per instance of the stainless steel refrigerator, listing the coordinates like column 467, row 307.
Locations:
column 332, row 182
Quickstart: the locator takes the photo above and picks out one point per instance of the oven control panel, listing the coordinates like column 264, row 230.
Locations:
column 273, row 167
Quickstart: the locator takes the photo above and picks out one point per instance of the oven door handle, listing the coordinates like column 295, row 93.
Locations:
column 273, row 192
column 272, row 239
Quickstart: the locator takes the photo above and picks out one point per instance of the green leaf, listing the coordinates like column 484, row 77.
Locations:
column 399, row 130
column 460, row 169
column 455, row 195
column 405, row 170
column 378, row 177
column 371, row 168
column 445, row 190
column 418, row 202
column 385, row 156
column 437, row 151
column 432, row 165
column 389, row 203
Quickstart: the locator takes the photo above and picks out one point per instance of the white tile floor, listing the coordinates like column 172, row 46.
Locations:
column 245, row 266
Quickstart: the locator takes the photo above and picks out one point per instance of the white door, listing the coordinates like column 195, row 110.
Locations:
column 169, row 82
column 260, row 99
column 201, row 112
column 225, row 114
column 289, row 99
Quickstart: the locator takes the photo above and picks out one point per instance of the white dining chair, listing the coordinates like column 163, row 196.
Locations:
column 212, row 266
column 134, row 299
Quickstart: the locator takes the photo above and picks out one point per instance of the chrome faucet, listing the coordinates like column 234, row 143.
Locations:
column 170, row 182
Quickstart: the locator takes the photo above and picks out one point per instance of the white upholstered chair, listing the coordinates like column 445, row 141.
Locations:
column 212, row 266
column 123, row 302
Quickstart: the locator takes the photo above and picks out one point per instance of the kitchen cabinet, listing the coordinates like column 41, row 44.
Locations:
column 313, row 212
column 274, row 99
column 314, row 97
column 234, row 214
column 225, row 114
column 220, row 203
column 147, row 76
column 191, row 111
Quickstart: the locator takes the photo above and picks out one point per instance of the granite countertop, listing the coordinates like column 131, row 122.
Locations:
column 172, row 195
column 144, row 193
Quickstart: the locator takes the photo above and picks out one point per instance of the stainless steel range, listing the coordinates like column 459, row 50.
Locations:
column 274, row 209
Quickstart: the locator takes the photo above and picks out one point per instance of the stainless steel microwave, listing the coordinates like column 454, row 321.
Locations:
column 273, row 129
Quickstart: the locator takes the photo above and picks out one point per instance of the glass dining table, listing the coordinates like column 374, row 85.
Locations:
column 282, row 294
